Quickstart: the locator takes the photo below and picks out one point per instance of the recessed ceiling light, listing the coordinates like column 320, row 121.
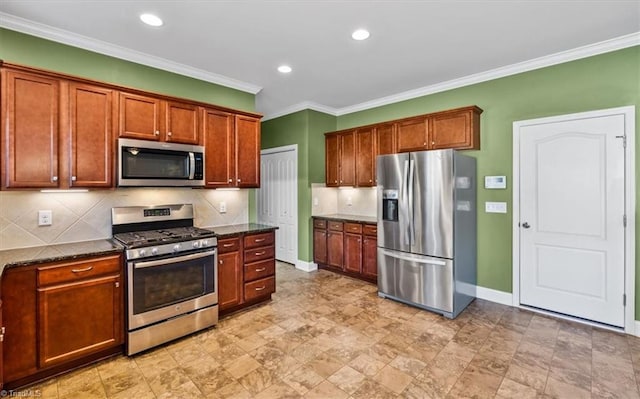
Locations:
column 360, row 34
column 284, row 69
column 151, row 20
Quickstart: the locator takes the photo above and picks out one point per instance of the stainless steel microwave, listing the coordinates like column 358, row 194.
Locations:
column 144, row 163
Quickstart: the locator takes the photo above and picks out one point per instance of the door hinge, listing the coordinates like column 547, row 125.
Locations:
column 624, row 220
column 624, row 140
column 624, row 299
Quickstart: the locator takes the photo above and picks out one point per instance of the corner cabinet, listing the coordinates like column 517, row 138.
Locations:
column 232, row 149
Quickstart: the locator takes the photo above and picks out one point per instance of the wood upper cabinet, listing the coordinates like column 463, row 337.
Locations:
column 458, row 128
column 332, row 160
column 347, row 147
column 232, row 149
column 80, row 309
column 151, row 118
column 365, row 157
column 30, row 110
column 91, row 116
column 412, row 134
column 230, row 280
column 386, row 139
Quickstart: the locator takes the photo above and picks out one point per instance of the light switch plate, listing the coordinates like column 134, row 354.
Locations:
column 223, row 207
column 495, row 207
column 45, row 218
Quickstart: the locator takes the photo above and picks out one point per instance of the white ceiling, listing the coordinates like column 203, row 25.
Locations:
column 413, row 44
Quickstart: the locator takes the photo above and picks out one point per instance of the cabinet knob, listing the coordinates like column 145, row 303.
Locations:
column 54, row 178
column 220, row 261
column 433, row 143
column 370, row 180
column 230, row 180
column 157, row 133
column 117, row 284
column 239, row 180
column 169, row 134
column 335, row 181
column 73, row 178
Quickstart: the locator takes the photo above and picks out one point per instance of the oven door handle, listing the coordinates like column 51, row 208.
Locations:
column 168, row 261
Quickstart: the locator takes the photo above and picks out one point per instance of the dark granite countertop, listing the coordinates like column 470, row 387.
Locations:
column 247, row 228
column 52, row 253
column 349, row 218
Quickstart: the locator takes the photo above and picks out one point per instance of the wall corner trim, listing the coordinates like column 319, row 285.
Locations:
column 488, row 294
column 306, row 266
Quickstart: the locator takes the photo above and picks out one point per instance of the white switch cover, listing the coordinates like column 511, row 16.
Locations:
column 495, row 207
column 315, row 201
column 349, row 201
column 45, row 218
column 223, row 207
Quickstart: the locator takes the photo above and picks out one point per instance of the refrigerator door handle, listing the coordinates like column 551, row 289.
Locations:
column 412, row 223
column 404, row 205
column 415, row 259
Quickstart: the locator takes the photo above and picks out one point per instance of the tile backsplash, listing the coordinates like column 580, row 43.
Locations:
column 87, row 216
column 346, row 201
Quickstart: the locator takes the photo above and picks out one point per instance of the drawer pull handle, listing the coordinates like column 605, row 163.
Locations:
column 259, row 239
column 261, row 269
column 261, row 288
column 227, row 245
column 261, row 253
column 86, row 269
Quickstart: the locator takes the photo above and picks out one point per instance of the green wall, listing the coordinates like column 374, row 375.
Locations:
column 32, row 51
column 306, row 129
column 603, row 81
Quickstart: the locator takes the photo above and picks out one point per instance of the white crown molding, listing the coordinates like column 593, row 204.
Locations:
column 302, row 107
column 589, row 50
column 65, row 37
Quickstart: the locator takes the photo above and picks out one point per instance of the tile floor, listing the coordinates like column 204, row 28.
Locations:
column 328, row 336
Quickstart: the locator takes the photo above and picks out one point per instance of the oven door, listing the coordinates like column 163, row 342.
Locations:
column 160, row 289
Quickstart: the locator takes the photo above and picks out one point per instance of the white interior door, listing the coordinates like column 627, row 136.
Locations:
column 278, row 199
column 572, row 206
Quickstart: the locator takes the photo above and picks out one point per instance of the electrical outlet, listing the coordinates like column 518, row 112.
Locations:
column 315, row 201
column 223, row 207
column 349, row 201
column 45, row 218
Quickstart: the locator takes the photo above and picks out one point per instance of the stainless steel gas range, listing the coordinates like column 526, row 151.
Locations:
column 171, row 273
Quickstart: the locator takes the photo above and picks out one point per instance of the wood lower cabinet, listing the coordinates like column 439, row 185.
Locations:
column 61, row 315
column 259, row 266
column 349, row 247
column 232, row 149
column 230, row 280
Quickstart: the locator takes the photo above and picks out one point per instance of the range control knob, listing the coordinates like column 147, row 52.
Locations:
column 177, row 247
column 205, row 243
column 196, row 244
column 154, row 251
column 142, row 252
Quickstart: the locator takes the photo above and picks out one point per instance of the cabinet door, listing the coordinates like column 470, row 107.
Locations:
column 365, row 158
column 455, row 130
column 30, row 106
column 353, row 253
column 334, row 249
column 332, row 162
column 320, row 246
column 140, row 117
column 91, row 133
column 412, row 134
column 182, row 123
column 386, row 139
column 229, row 280
column 218, row 138
column 247, row 152
column 2, row 329
column 348, row 159
column 369, row 257
column 78, row 319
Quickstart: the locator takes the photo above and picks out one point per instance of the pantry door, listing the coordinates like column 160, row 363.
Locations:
column 572, row 215
column 278, row 198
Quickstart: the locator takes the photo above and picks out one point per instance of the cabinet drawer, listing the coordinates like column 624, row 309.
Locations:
column 319, row 223
column 258, row 240
column 252, row 255
column 259, row 288
column 78, row 270
column 335, row 226
column 228, row 245
column 370, row 230
column 254, row 271
column 355, row 228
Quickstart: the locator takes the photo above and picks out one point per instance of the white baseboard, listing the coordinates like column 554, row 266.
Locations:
column 636, row 331
column 306, row 266
column 488, row 294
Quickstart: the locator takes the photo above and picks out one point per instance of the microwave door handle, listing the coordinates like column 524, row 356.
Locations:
column 192, row 165
column 168, row 261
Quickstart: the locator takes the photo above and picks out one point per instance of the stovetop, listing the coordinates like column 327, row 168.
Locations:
column 137, row 239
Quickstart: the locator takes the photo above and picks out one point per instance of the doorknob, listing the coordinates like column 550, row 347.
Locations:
column 526, row 225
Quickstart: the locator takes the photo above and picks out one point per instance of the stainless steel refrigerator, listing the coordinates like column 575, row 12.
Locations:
column 427, row 229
